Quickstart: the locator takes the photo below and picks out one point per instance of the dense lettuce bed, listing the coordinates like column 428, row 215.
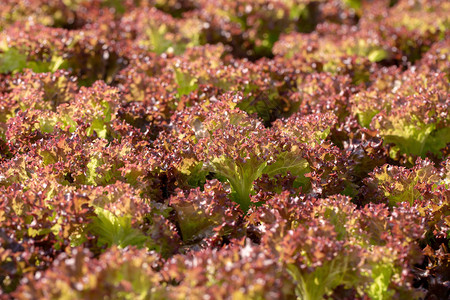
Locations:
column 249, row 149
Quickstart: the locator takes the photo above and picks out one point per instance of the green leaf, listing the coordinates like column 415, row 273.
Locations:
column 240, row 177
column 67, row 121
column 416, row 139
column 47, row 157
column 99, row 127
column 377, row 55
column 91, row 174
column 39, row 66
column 365, row 117
column 47, row 125
column 56, row 63
column 355, row 4
column 381, row 275
column 117, row 5
column 197, row 175
column 321, row 136
column 113, row 230
column 12, row 61
column 186, row 83
column 288, row 161
column 158, row 43
column 317, row 283
column 107, row 112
